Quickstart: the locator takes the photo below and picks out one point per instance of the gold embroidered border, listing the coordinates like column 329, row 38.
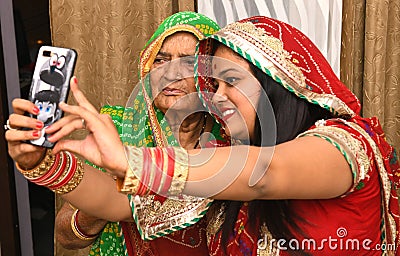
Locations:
column 351, row 148
column 274, row 58
column 180, row 172
column 130, row 184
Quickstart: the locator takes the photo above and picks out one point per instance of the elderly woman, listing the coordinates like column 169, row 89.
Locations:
column 170, row 82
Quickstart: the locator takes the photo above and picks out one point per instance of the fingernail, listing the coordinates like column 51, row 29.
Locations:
column 75, row 80
column 35, row 110
column 39, row 125
column 35, row 134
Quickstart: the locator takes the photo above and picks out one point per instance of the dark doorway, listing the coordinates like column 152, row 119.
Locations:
column 32, row 29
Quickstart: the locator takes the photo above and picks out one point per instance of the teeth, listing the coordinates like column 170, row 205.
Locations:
column 228, row 112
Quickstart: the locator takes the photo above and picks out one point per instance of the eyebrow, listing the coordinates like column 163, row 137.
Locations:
column 165, row 54
column 223, row 72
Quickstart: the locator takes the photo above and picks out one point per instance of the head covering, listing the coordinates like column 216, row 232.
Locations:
column 143, row 125
column 290, row 58
column 293, row 61
column 198, row 24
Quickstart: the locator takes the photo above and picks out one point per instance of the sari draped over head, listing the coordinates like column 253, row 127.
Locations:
column 293, row 61
column 141, row 124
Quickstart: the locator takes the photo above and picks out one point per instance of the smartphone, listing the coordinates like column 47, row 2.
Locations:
column 50, row 85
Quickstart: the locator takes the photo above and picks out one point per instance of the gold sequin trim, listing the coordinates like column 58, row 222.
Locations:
column 155, row 218
column 385, row 182
column 181, row 171
column 350, row 147
column 130, row 184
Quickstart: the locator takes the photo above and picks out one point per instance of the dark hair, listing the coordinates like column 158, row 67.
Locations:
column 293, row 116
column 47, row 95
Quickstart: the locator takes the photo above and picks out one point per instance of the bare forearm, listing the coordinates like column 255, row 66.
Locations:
column 223, row 174
column 88, row 224
column 96, row 191
column 305, row 168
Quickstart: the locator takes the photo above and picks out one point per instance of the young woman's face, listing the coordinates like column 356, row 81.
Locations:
column 171, row 74
column 237, row 95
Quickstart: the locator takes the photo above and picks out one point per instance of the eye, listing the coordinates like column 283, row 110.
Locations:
column 231, row 80
column 215, row 84
column 40, row 106
column 188, row 61
column 48, row 109
column 158, row 61
column 60, row 62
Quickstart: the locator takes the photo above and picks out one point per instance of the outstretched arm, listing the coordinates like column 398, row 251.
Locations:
column 97, row 195
column 305, row 168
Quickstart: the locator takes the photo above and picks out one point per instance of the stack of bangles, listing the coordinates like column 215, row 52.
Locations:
column 61, row 173
column 161, row 171
column 77, row 230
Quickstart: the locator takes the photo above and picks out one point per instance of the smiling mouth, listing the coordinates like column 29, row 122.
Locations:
column 227, row 113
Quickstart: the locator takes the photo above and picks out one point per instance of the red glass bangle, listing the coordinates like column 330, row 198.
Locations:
column 170, row 171
column 70, row 173
column 49, row 173
column 158, row 172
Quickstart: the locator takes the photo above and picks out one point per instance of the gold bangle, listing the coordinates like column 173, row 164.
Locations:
column 75, row 228
column 181, row 171
column 43, row 167
column 72, row 207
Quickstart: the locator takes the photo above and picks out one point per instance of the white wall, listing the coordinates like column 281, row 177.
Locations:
column 320, row 20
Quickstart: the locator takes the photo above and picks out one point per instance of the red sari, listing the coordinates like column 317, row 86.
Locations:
column 363, row 221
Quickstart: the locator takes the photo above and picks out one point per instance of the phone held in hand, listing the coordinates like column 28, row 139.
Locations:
column 50, row 86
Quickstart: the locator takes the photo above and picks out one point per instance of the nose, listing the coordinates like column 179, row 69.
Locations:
column 220, row 94
column 172, row 71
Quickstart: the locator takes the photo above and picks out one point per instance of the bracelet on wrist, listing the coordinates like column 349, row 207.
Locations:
column 77, row 230
column 61, row 173
column 156, row 170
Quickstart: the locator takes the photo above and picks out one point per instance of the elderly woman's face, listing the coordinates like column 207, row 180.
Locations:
column 171, row 74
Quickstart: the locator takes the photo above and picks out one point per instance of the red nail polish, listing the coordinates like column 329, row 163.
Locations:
column 75, row 80
column 39, row 125
column 35, row 110
column 35, row 134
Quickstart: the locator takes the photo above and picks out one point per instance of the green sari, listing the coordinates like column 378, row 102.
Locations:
column 141, row 124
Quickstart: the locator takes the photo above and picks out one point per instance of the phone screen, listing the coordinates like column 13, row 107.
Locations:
column 50, row 86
